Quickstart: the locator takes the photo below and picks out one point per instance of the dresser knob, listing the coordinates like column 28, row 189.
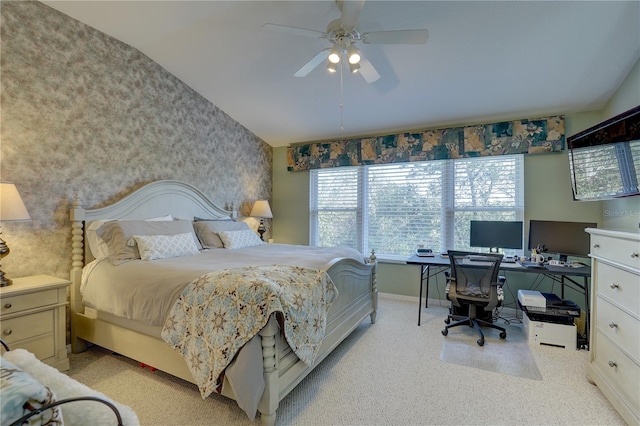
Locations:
column 596, row 245
column 634, row 254
column 614, row 286
column 612, row 364
column 613, row 324
column 7, row 332
column 8, row 305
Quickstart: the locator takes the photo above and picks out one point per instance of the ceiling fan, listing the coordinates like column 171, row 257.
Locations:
column 344, row 37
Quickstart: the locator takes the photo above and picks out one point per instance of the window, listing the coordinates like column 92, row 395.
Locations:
column 394, row 207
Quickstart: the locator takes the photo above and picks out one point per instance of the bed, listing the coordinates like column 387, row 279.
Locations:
column 346, row 283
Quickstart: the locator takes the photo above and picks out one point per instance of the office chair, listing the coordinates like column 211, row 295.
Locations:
column 473, row 285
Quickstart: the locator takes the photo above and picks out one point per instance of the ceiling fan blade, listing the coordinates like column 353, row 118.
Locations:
column 350, row 12
column 368, row 71
column 396, row 37
column 294, row 30
column 314, row 62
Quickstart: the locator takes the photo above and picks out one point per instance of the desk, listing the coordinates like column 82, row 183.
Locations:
column 570, row 276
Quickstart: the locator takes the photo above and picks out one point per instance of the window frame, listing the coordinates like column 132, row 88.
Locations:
column 448, row 207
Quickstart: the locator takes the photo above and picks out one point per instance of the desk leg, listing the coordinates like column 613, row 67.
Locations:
column 426, row 298
column 420, row 295
column 587, row 325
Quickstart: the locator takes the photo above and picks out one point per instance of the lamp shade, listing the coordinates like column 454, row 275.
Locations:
column 261, row 209
column 11, row 206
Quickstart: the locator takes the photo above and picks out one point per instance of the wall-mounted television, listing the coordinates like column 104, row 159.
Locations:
column 604, row 160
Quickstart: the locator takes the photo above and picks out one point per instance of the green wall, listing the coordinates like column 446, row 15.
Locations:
column 548, row 196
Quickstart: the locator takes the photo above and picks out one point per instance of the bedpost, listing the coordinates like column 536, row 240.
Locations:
column 271, row 396
column 374, row 285
column 77, row 256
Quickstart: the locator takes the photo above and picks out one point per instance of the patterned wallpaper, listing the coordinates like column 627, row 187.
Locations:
column 83, row 113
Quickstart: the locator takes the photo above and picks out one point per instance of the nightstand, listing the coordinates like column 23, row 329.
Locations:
column 33, row 317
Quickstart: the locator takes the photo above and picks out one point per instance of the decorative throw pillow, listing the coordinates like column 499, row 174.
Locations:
column 240, row 239
column 208, row 231
column 163, row 246
column 117, row 236
column 21, row 393
column 97, row 246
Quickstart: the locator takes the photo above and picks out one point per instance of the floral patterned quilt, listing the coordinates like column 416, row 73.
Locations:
column 220, row 311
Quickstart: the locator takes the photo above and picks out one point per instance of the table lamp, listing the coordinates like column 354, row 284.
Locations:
column 262, row 210
column 12, row 209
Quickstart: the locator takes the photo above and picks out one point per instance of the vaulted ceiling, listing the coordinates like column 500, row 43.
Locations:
column 484, row 60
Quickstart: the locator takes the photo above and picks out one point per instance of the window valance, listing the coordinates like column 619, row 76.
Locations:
column 527, row 136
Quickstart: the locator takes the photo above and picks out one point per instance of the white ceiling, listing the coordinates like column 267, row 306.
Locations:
column 484, row 60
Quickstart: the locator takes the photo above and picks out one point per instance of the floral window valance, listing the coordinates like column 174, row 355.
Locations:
column 528, row 136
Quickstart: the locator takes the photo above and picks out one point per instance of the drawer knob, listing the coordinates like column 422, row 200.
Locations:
column 8, row 305
column 614, row 286
column 613, row 324
column 7, row 332
column 634, row 254
column 596, row 245
column 612, row 364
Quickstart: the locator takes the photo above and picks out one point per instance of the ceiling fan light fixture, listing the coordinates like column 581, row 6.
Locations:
column 334, row 56
column 354, row 67
column 331, row 67
column 353, row 54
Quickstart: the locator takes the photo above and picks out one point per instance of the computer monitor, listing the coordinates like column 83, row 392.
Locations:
column 496, row 235
column 562, row 238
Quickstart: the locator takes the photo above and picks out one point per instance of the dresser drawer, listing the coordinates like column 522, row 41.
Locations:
column 27, row 326
column 622, row 287
column 619, row 369
column 23, row 302
column 620, row 327
column 623, row 251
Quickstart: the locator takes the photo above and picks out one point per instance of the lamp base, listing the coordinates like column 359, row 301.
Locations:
column 4, row 282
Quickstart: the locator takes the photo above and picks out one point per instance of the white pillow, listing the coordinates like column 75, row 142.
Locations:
column 163, row 246
column 240, row 239
column 97, row 246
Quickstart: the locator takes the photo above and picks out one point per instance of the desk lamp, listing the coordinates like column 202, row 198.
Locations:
column 11, row 209
column 262, row 210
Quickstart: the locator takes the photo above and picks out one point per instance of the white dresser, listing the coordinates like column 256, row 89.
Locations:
column 614, row 358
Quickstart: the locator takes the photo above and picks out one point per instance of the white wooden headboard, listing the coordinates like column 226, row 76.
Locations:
column 159, row 198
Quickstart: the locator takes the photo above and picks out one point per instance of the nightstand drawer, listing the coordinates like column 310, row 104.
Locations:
column 42, row 346
column 27, row 327
column 23, row 302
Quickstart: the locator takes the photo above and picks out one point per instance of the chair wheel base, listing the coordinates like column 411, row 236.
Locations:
column 445, row 332
column 480, row 342
column 503, row 335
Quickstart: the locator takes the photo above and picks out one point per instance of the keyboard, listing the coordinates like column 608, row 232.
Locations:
column 480, row 258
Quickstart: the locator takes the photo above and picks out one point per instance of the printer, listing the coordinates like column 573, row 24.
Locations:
column 549, row 320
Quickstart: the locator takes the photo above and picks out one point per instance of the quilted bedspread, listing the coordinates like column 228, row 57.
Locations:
column 220, row 311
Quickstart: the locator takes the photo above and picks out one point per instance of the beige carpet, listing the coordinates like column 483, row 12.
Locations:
column 389, row 373
column 507, row 356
